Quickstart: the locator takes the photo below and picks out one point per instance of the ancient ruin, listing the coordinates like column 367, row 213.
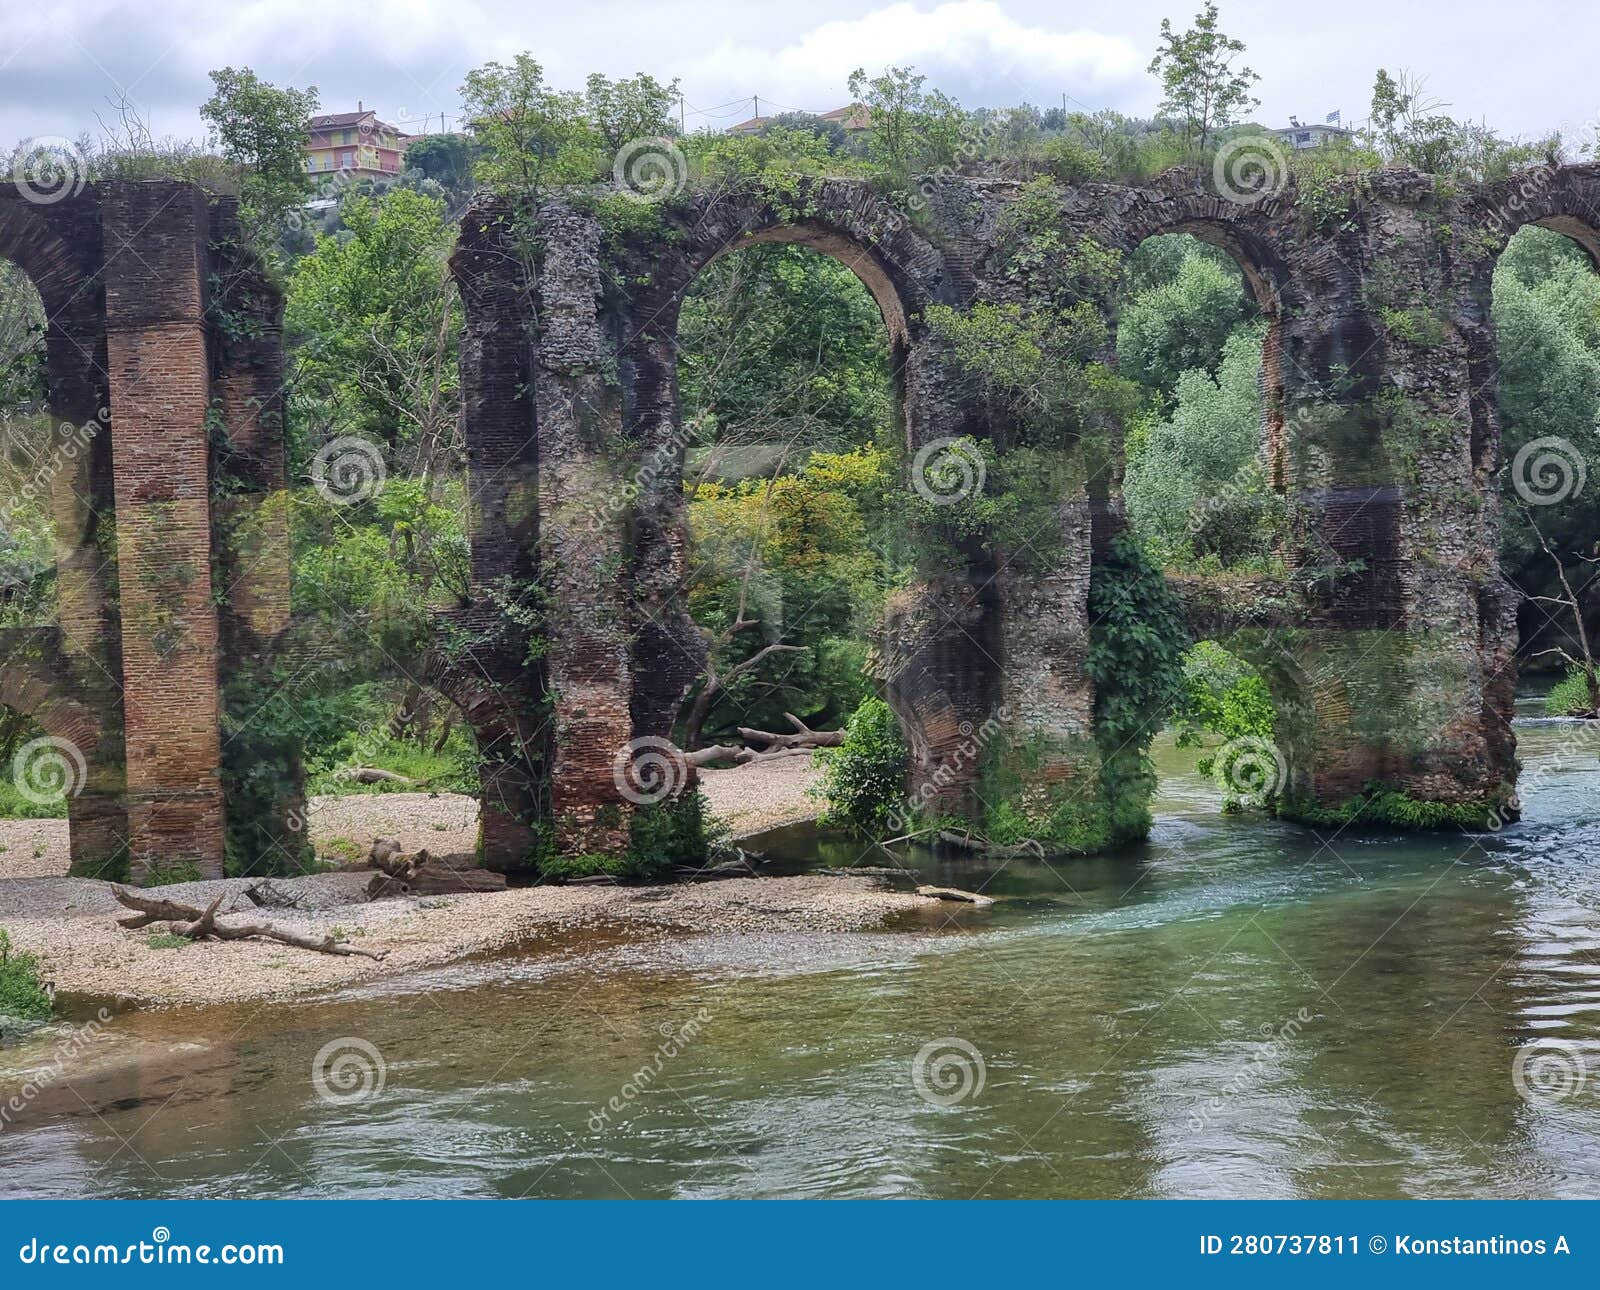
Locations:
column 1391, row 660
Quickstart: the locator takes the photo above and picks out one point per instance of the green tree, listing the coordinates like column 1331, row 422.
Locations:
column 375, row 319
column 635, row 107
column 1193, row 486
column 782, row 346
column 1200, row 83
column 262, row 129
column 912, row 129
column 446, row 158
column 1182, row 325
column 532, row 135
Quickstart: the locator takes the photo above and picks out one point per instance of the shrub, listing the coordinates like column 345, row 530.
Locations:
column 21, row 992
column 1570, row 697
column 1137, row 642
column 663, row 837
column 864, row 779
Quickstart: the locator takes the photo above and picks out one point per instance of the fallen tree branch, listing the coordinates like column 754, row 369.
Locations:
column 804, row 736
column 377, row 775
column 419, row 873
column 981, row 845
column 201, row 924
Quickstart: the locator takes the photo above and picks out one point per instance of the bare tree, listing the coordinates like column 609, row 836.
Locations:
column 1570, row 599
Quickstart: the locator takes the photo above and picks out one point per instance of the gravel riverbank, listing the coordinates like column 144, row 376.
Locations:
column 71, row 922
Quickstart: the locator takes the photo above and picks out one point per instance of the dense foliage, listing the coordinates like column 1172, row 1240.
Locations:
column 864, row 780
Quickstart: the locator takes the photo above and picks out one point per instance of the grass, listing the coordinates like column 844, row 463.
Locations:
column 451, row 770
column 14, row 806
column 22, row 994
column 166, row 941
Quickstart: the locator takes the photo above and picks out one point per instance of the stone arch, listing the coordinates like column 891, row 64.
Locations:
column 57, row 246
column 842, row 219
column 1258, row 236
column 66, row 676
column 1564, row 200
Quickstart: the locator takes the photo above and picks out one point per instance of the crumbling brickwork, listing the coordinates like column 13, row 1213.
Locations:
column 1390, row 653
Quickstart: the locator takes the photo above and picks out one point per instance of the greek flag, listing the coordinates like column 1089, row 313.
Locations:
column 1332, row 118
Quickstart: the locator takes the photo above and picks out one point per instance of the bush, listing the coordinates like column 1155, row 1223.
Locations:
column 21, row 992
column 1570, row 697
column 664, row 837
column 864, row 779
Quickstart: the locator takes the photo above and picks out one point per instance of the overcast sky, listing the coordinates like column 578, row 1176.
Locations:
column 1525, row 68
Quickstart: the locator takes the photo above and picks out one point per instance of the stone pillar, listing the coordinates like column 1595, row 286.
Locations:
column 1386, row 683
column 262, row 767
column 155, row 252
column 582, row 550
column 944, row 635
column 485, row 666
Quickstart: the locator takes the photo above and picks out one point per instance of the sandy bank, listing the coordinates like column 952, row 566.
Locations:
column 71, row 923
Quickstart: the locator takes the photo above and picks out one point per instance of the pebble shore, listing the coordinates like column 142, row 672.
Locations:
column 70, row 923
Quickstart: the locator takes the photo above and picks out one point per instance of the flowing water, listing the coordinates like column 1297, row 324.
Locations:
column 1237, row 1008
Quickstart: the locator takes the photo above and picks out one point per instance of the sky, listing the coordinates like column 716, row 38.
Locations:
column 66, row 66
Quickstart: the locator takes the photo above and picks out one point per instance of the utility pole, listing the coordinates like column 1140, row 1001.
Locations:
column 756, row 98
column 682, row 128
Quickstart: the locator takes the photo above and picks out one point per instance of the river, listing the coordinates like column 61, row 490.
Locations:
column 1236, row 1008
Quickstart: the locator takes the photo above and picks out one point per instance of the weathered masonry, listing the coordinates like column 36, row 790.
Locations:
column 1391, row 659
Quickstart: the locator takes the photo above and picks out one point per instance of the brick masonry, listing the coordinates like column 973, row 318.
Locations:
column 1401, row 668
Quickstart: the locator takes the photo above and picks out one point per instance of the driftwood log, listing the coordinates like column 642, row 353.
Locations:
column 377, row 775
column 419, row 873
column 201, row 924
column 803, row 740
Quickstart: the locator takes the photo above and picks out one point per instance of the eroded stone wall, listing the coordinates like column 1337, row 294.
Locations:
column 1391, row 649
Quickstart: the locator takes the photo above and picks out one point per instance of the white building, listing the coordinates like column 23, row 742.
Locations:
column 1299, row 136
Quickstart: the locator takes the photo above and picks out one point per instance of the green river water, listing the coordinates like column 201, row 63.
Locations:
column 1237, row 1008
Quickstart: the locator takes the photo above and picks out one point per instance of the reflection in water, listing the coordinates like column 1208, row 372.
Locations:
column 1238, row 1008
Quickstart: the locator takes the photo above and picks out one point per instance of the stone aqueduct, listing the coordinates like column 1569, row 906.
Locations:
column 166, row 372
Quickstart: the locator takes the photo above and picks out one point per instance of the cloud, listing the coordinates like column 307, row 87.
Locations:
column 972, row 49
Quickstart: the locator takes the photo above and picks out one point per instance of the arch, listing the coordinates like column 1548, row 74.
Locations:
column 1564, row 201
column 843, row 219
column 1259, row 235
